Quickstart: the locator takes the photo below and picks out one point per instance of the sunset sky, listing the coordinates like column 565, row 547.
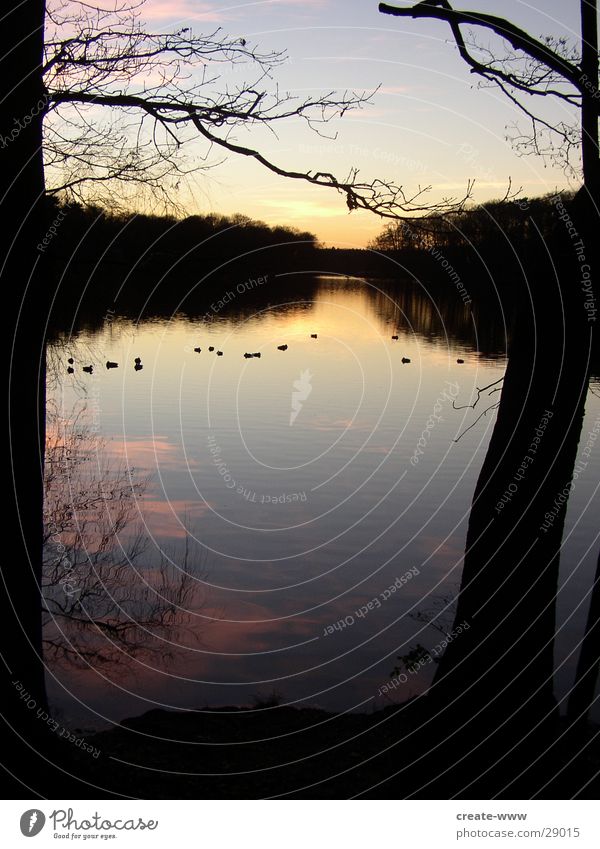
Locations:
column 429, row 124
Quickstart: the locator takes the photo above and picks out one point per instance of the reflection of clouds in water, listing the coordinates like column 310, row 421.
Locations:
column 170, row 519
column 374, row 518
column 148, row 452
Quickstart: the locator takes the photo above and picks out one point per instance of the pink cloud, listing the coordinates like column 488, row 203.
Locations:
column 150, row 454
column 170, row 518
column 181, row 10
column 177, row 10
column 254, row 633
column 394, row 89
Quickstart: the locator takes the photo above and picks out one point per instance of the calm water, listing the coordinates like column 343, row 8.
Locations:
column 289, row 487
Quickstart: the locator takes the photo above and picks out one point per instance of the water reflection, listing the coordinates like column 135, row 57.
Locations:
column 105, row 602
column 304, row 521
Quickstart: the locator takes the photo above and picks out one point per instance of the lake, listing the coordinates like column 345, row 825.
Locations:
column 318, row 496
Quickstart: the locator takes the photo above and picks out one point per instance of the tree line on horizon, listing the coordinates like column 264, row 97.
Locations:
column 90, row 232
column 494, row 224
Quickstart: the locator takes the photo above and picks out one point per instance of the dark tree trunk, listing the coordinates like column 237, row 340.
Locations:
column 581, row 698
column 25, row 305
column 511, row 561
column 589, row 109
column 494, row 686
column 496, row 679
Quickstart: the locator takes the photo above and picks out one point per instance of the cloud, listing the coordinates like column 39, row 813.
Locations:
column 151, row 453
column 169, row 519
column 255, row 628
column 305, row 209
column 394, row 89
column 177, row 10
column 183, row 10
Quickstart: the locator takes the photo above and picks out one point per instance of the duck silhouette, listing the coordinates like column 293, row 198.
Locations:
column 211, row 348
column 282, row 347
column 88, row 369
column 460, row 361
column 219, row 353
column 70, row 370
column 199, row 350
column 256, row 355
column 137, row 361
column 109, row 364
column 405, row 360
column 313, row 335
column 138, row 367
column 248, row 356
column 70, row 361
column 394, row 337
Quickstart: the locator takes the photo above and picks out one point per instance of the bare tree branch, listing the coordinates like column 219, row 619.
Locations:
column 480, row 416
column 162, row 91
column 479, row 393
column 547, row 68
column 518, row 38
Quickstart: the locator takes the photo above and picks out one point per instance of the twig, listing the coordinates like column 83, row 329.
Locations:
column 479, row 391
column 491, row 407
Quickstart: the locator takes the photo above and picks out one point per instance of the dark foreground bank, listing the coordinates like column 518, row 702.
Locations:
column 286, row 752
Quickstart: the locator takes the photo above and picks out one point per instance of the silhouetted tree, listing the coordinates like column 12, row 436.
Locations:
column 164, row 89
column 25, row 300
column 582, row 696
column 548, row 69
column 476, row 228
column 493, row 690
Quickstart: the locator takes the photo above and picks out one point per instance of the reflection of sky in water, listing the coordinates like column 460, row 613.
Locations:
column 299, row 525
